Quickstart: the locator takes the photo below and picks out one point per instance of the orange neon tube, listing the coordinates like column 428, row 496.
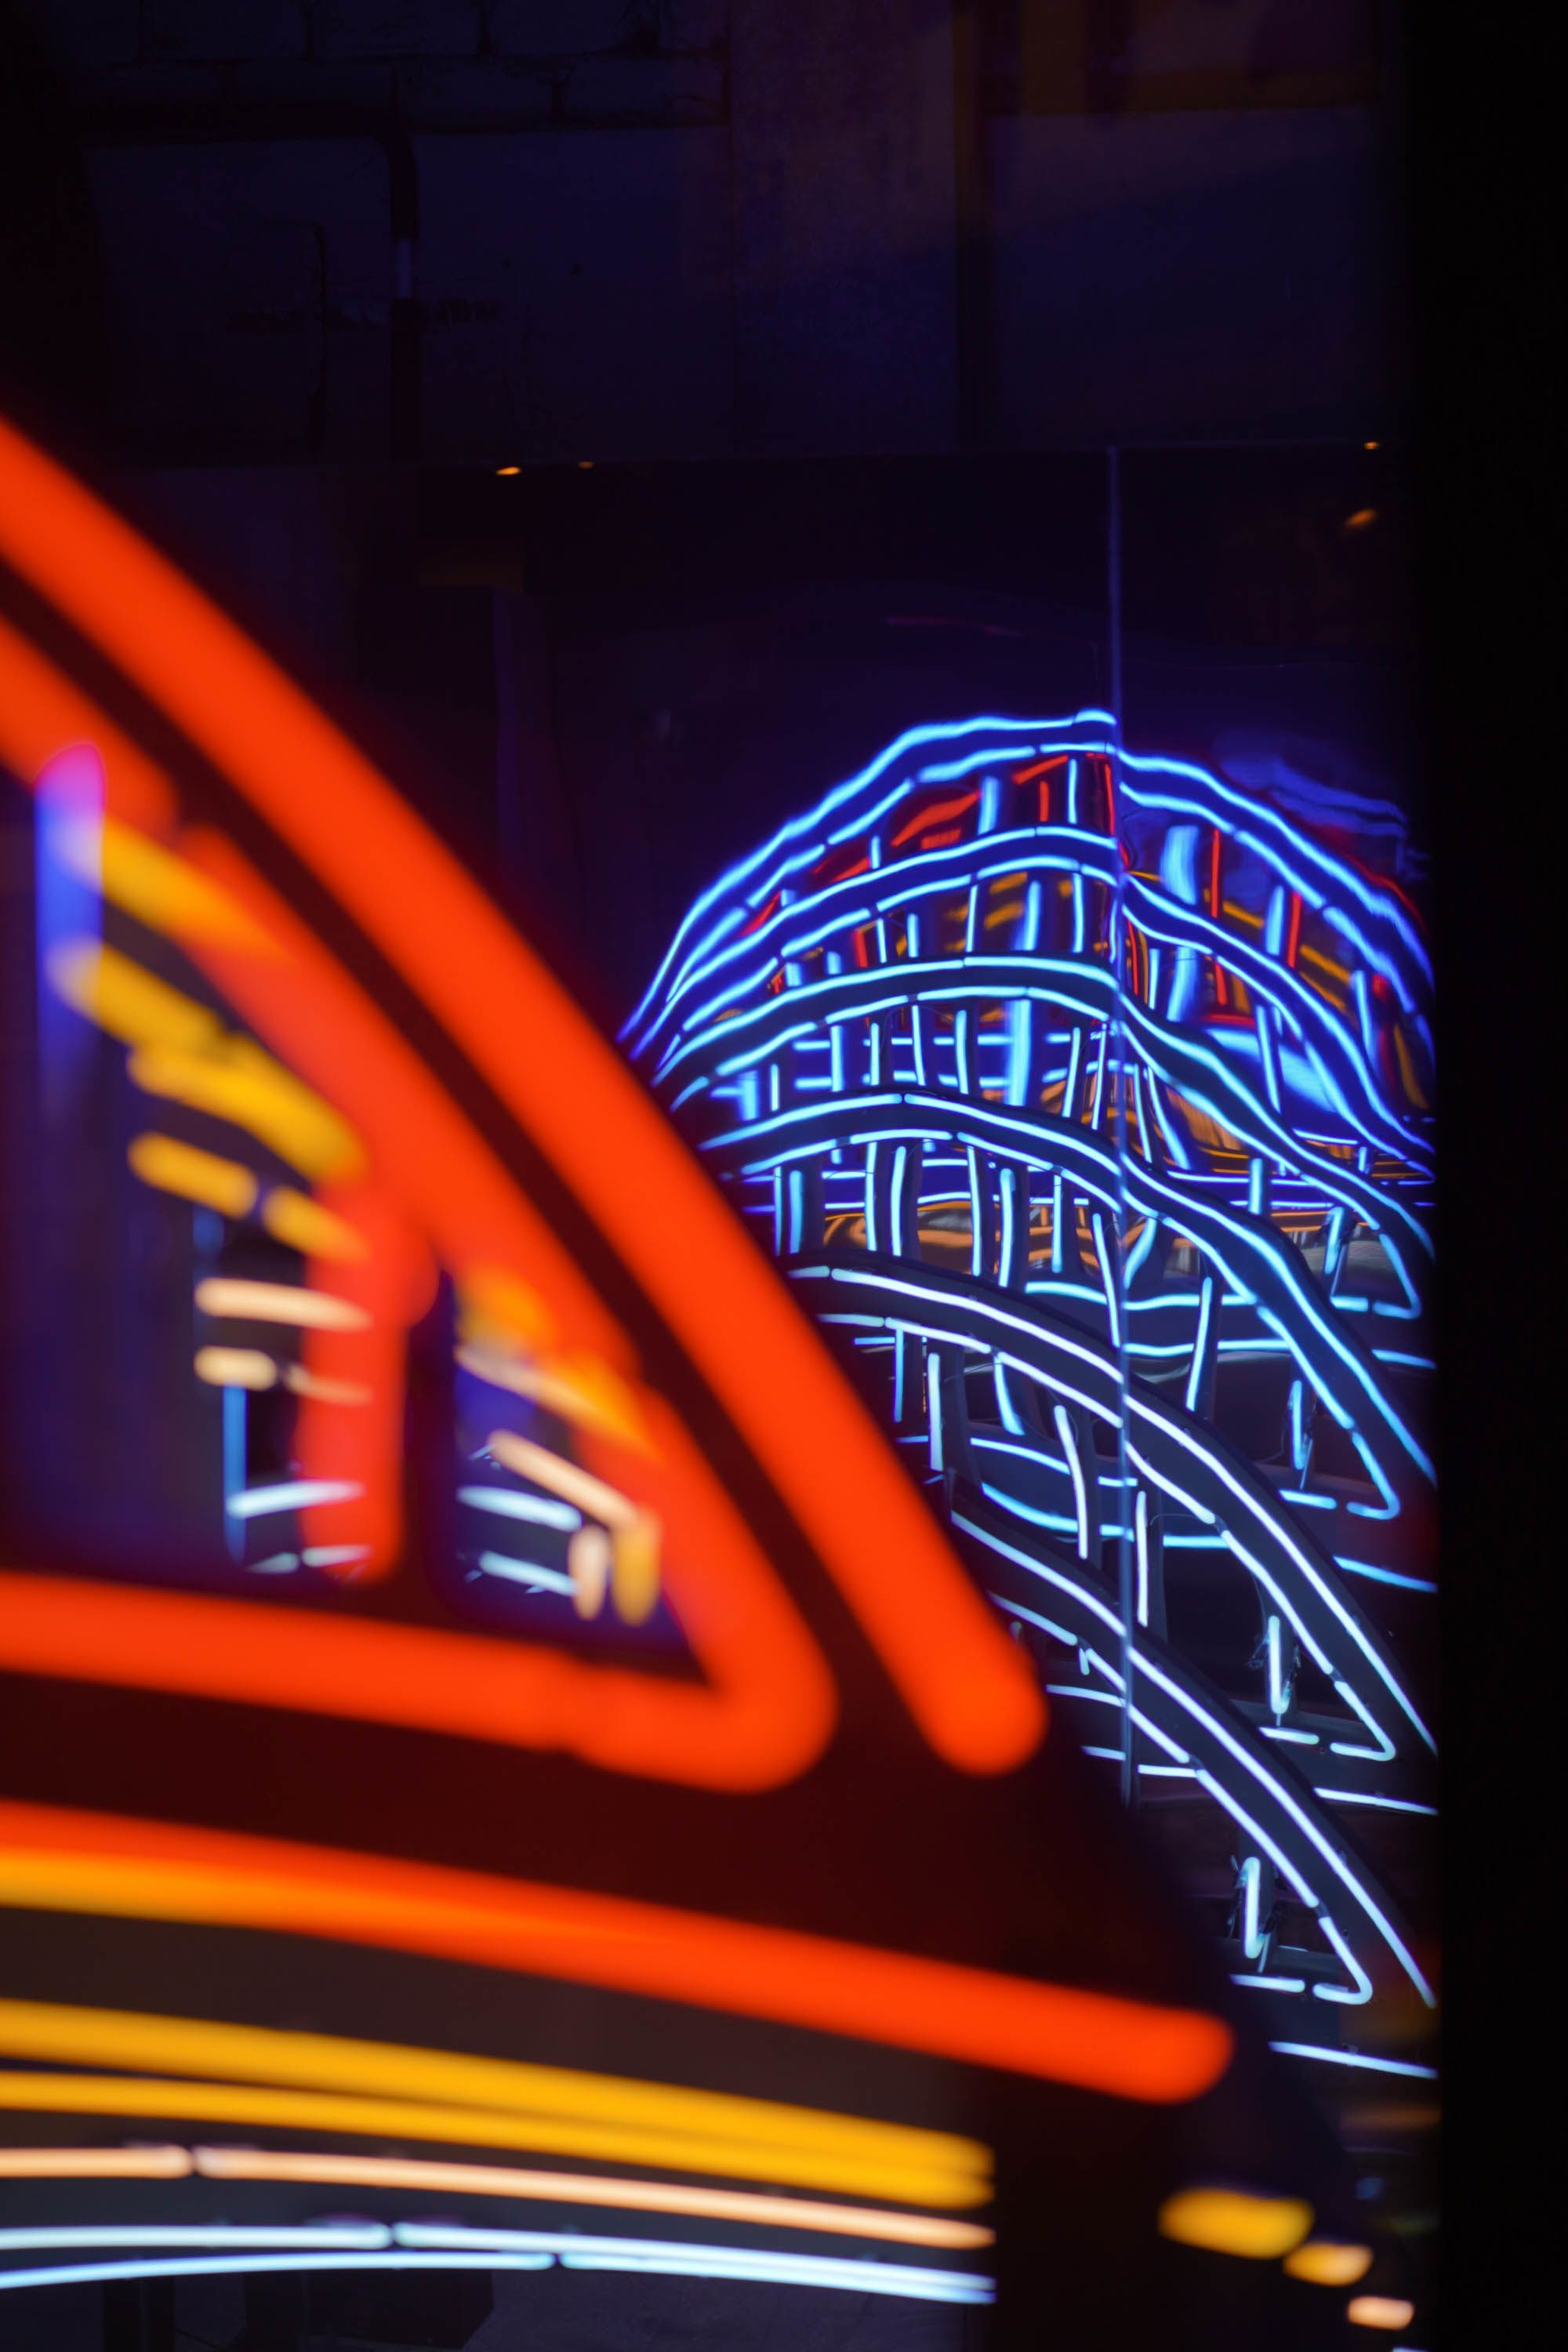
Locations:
column 964, row 1682
column 106, row 1865
column 767, row 1706
column 467, row 1686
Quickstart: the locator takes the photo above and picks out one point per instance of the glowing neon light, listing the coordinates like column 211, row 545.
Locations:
column 99, row 1864
column 279, row 1302
column 1236, row 1147
column 546, row 2188
column 535, row 2251
column 436, row 2095
column 551, row 1074
column 291, row 1495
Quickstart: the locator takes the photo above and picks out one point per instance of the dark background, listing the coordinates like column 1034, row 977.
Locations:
column 809, row 326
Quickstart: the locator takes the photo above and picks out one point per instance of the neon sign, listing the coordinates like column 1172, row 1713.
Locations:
column 1087, row 1097
column 513, row 1591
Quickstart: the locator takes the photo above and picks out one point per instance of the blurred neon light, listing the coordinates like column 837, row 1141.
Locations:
column 54, row 1859
column 1390, row 2311
column 304, row 1225
column 291, row 1495
column 589, row 2188
column 149, row 881
column 709, row 2262
column 1236, row 2222
column 572, row 1484
column 432, row 2093
column 181, row 1051
column 110, row 989
column 70, row 2237
column 234, row 1368
column 955, row 1667
column 540, row 1510
column 279, row 1302
column 1328, row 2261
column 201, row 1176
column 583, row 1393
column 665, row 2257
column 1356, row 2058
column 493, row 2180
column 96, row 2163
column 326, row 1390
column 528, row 1572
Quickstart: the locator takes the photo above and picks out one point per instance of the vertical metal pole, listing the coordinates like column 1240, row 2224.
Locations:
column 1126, row 1561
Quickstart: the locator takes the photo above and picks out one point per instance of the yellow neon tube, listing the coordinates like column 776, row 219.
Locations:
column 458, row 2126
column 756, row 2137
column 203, row 1176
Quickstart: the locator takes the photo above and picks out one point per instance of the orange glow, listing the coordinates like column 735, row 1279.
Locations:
column 151, row 882
column 509, row 469
column 1328, row 2261
column 107, row 1866
column 387, row 1284
column 311, row 1384
column 130, row 1004
column 179, row 1168
column 236, row 1368
column 304, row 1225
column 964, row 1682
column 1390, row 2311
column 527, row 1460
column 493, row 2180
column 1236, row 2222
column 590, row 2189
column 363, row 2113
column 41, row 710
column 96, row 2163
column 426, row 2094
column 1362, row 519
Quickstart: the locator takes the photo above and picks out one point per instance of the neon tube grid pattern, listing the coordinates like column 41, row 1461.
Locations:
column 1089, row 1098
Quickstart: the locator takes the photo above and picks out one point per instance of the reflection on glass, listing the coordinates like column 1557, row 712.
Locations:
column 1085, row 1094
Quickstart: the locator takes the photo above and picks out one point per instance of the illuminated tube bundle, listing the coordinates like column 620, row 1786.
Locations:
column 1088, row 1097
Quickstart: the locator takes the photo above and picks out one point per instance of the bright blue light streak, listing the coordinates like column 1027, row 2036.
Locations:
column 527, row 1572
column 1383, row 1575
column 667, row 2255
column 1366, row 1797
column 233, row 1455
column 1257, row 1769
column 1207, row 1309
column 543, row 1510
column 421, row 2248
column 1355, row 2058
column 292, row 1495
